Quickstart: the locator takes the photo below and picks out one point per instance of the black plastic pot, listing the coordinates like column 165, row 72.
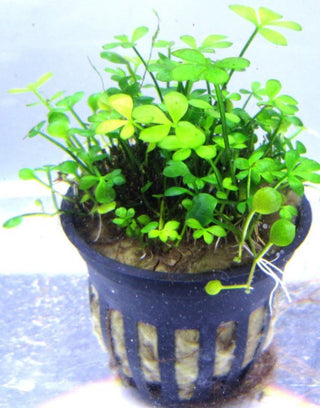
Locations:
column 174, row 303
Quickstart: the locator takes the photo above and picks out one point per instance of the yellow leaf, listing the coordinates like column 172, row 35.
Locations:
column 127, row 131
column 110, row 126
column 123, row 104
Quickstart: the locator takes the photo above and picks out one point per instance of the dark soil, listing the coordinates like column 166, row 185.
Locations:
column 190, row 257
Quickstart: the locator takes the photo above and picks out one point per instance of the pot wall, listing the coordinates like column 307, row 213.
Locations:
column 167, row 336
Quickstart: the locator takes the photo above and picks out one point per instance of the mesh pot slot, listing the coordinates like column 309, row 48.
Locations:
column 255, row 332
column 187, row 345
column 186, row 364
column 225, row 346
column 118, row 341
column 148, row 352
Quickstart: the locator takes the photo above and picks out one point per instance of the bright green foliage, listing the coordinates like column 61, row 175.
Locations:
column 282, row 233
column 172, row 152
column 266, row 201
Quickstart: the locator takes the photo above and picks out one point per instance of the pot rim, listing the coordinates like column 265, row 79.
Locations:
column 303, row 223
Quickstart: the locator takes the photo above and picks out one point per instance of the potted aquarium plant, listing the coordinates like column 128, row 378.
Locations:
column 186, row 198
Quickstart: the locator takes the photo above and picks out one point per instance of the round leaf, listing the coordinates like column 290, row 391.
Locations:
column 186, row 54
column 154, row 134
column 213, row 287
column 13, row 222
column 177, row 105
column 267, row 200
column 27, row 174
column 237, row 64
column 189, row 135
column 122, row 103
column 282, row 232
column 150, row 114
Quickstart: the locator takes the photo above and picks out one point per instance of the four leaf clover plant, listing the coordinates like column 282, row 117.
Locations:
column 172, row 153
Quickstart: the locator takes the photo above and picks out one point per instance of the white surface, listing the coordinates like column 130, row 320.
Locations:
column 112, row 394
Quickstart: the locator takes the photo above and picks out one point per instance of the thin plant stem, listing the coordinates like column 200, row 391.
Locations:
column 254, row 264
column 225, row 132
column 150, row 73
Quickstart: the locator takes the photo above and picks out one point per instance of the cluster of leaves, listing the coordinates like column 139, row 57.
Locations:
column 194, row 164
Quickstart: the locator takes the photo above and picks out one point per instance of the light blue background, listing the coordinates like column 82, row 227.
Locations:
column 38, row 36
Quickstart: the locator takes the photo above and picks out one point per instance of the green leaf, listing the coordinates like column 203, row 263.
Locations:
column 200, row 104
column 154, row 134
column 27, row 174
column 217, row 231
column 291, row 159
column 176, row 169
column 216, row 75
column 228, row 185
column 190, row 55
column 182, row 154
column 176, row 191
column 170, row 143
column 87, row 182
column 68, row 167
column 150, row 114
column 291, row 25
column 273, row 36
column 122, row 103
column 296, row 185
column 213, row 287
column 104, row 193
column 234, row 63
column 69, row 101
column 212, row 40
column 171, row 225
column 138, row 33
column 58, row 124
column 43, row 79
column 189, row 135
column 282, row 233
column 207, row 237
column 177, row 105
column 241, row 163
column 187, row 72
column 110, row 125
column 149, row 227
column 18, row 90
column 13, row 222
column 189, row 40
column 245, row 12
column 266, row 200
column 193, row 223
column 106, row 208
column 202, row 208
column 273, row 87
column 113, row 57
column 267, row 16
column 206, row 152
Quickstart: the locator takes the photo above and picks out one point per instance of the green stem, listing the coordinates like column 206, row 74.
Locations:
column 150, row 73
column 244, row 235
column 42, row 99
column 254, row 264
column 243, row 51
column 217, row 174
column 228, row 151
column 249, row 184
column 77, row 117
column 62, row 147
column 247, row 101
column 53, row 195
